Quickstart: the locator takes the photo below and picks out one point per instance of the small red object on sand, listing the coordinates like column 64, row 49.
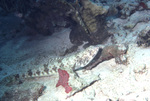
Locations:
column 143, row 5
column 63, row 80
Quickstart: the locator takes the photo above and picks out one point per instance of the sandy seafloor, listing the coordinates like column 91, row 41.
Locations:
column 129, row 82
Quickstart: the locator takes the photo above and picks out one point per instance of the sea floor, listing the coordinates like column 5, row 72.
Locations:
column 118, row 82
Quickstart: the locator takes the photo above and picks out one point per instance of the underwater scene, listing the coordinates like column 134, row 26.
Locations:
column 74, row 50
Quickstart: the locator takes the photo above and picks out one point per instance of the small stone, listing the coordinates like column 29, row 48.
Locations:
column 122, row 47
column 148, row 4
column 141, row 68
column 122, row 59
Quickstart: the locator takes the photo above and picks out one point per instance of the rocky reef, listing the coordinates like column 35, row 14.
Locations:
column 144, row 37
column 90, row 20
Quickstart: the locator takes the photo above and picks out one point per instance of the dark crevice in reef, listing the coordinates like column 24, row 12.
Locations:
column 21, row 6
column 1, row 69
column 48, row 16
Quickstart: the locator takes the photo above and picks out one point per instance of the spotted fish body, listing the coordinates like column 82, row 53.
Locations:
column 79, row 59
column 67, row 63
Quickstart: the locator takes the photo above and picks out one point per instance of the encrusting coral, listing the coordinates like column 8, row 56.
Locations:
column 89, row 22
column 63, row 80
